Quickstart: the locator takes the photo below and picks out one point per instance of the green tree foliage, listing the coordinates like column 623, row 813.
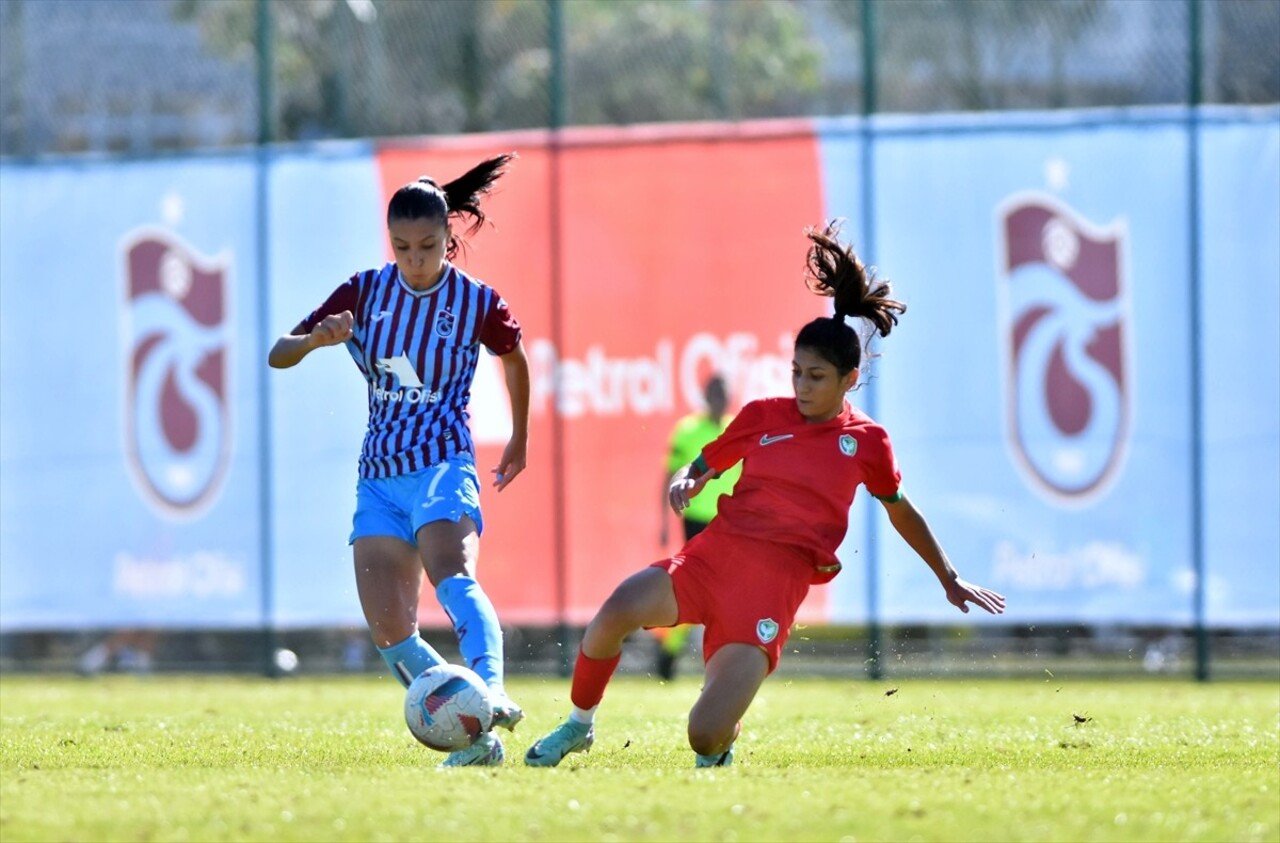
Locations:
column 378, row 67
column 976, row 55
column 360, row 68
column 653, row 61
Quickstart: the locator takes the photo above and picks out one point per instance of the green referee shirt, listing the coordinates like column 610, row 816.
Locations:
column 691, row 434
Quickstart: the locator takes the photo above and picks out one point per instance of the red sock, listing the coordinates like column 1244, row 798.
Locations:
column 590, row 676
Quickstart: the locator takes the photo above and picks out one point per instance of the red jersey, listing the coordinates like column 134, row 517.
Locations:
column 798, row 478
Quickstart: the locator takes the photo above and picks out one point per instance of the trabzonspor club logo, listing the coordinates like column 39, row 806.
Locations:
column 176, row 340
column 1065, row 328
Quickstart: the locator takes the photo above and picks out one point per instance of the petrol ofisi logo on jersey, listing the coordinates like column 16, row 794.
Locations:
column 176, row 379
column 1066, row 330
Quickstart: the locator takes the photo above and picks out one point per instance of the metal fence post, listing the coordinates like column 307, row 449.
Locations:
column 557, row 109
column 875, row 667
column 262, row 260
column 1194, row 96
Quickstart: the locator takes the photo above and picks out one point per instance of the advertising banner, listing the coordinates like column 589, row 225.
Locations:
column 1039, row 391
column 1239, row 321
column 328, row 221
column 677, row 257
column 129, row 484
column 1036, row 386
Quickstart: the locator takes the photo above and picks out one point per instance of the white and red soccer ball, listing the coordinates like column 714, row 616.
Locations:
column 447, row 707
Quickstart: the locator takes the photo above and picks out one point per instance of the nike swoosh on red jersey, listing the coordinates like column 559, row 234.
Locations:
column 769, row 440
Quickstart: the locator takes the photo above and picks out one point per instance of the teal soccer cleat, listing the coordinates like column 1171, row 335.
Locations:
column 486, row 752
column 569, row 736
column 724, row 759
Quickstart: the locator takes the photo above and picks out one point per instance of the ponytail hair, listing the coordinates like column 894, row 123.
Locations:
column 427, row 199
column 833, row 270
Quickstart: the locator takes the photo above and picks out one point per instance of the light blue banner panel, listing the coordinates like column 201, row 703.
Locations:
column 841, row 156
column 1240, row 344
column 1036, row 390
column 843, row 190
column 128, row 450
column 327, row 223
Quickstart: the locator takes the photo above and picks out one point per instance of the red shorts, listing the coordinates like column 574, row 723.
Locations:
column 744, row 591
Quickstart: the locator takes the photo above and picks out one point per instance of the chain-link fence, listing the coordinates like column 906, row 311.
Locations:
column 141, row 76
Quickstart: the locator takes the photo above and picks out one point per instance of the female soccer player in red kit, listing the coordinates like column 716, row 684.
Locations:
column 745, row 576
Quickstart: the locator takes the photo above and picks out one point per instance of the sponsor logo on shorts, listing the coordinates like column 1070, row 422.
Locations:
column 766, row 630
column 848, row 445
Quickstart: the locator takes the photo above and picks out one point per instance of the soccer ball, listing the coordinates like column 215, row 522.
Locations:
column 448, row 707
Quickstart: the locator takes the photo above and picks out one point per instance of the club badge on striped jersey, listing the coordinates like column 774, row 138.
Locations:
column 1065, row 326
column 446, row 323
column 175, row 322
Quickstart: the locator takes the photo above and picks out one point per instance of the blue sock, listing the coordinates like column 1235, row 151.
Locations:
column 409, row 658
column 476, row 624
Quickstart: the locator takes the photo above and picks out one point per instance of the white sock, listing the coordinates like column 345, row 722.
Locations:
column 585, row 716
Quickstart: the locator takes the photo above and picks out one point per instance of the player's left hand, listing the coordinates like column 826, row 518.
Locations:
column 512, row 463
column 959, row 593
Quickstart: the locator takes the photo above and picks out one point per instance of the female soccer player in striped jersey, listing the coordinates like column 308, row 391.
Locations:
column 746, row 574
column 415, row 328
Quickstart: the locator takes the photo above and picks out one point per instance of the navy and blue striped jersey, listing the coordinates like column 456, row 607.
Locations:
column 418, row 351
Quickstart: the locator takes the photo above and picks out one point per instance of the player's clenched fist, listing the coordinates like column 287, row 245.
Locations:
column 333, row 329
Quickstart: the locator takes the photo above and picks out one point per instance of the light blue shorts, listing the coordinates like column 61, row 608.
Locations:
column 399, row 506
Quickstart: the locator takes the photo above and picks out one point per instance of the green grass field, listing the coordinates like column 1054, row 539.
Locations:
column 310, row 759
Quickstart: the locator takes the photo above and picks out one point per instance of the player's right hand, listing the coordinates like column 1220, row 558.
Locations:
column 684, row 488
column 333, row 329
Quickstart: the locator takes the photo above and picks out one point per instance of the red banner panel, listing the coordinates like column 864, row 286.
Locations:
column 679, row 254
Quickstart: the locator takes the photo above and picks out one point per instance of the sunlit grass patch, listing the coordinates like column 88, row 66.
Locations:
column 217, row 758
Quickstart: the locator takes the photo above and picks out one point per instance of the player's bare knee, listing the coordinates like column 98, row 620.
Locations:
column 616, row 618
column 626, row 606
column 442, row 565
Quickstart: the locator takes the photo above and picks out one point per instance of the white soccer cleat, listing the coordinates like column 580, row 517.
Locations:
column 486, row 752
column 505, row 712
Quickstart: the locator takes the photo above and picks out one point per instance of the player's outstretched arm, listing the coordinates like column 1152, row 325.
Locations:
column 291, row 348
column 913, row 528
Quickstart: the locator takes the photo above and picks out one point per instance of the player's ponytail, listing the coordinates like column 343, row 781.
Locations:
column 463, row 194
column 833, row 270
column 428, row 199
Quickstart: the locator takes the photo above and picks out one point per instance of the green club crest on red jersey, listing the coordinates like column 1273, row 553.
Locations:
column 848, row 445
column 766, row 630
